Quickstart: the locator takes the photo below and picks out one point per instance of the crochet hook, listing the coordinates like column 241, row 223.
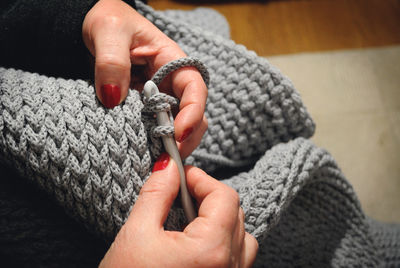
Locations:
column 150, row 89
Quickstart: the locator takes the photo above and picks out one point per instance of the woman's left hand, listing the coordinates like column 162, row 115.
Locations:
column 119, row 38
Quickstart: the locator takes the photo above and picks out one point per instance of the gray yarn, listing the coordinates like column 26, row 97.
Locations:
column 180, row 63
column 251, row 105
column 94, row 161
column 162, row 102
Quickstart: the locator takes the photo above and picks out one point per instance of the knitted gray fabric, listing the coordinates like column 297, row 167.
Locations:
column 251, row 105
column 304, row 213
column 205, row 18
column 94, row 160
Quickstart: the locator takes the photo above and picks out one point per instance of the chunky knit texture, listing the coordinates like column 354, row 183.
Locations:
column 98, row 159
column 304, row 213
column 204, row 18
column 251, row 105
column 94, row 161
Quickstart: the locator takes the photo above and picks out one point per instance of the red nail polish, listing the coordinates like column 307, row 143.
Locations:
column 162, row 162
column 110, row 94
column 185, row 134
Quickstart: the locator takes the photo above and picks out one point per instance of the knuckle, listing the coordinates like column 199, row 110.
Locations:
column 234, row 196
column 253, row 241
column 241, row 214
column 205, row 122
column 153, row 189
column 256, row 245
column 219, row 258
column 111, row 21
column 110, row 59
column 213, row 255
column 206, row 89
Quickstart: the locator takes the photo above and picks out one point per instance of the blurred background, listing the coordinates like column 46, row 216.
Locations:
column 343, row 56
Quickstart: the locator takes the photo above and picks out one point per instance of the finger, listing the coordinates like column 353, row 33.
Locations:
column 112, row 62
column 191, row 143
column 240, row 233
column 157, row 195
column 188, row 85
column 219, row 204
column 249, row 251
column 238, row 239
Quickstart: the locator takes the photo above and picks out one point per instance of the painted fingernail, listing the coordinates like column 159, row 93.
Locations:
column 110, row 94
column 185, row 134
column 162, row 162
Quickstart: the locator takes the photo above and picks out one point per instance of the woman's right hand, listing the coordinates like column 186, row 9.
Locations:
column 216, row 238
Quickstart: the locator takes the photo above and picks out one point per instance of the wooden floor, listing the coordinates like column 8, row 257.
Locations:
column 291, row 26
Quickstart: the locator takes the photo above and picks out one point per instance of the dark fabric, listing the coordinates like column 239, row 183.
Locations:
column 35, row 231
column 45, row 36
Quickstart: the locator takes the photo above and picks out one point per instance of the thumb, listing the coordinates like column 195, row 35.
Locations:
column 113, row 65
column 157, row 194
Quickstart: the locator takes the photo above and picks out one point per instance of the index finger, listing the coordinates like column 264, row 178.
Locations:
column 219, row 203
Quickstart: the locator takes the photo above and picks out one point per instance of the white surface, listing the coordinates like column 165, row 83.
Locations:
column 354, row 98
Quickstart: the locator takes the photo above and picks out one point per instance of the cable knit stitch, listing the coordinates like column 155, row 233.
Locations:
column 94, row 161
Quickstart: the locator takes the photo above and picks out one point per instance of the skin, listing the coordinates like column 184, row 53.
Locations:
column 216, row 238
column 123, row 41
column 126, row 45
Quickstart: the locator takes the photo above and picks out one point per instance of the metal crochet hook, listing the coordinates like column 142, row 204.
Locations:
column 150, row 89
